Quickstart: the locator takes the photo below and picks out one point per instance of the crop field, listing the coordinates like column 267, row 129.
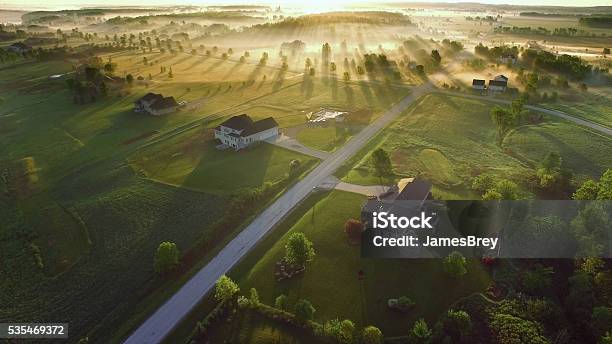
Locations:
column 337, row 263
column 116, row 218
column 448, row 140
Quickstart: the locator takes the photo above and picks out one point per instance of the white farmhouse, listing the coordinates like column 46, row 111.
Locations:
column 156, row 104
column 241, row 131
column 508, row 58
column 478, row 84
column 499, row 84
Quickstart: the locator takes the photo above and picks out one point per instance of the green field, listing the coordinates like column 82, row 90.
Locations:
column 96, row 235
column 448, row 140
column 597, row 109
column 190, row 160
column 86, row 202
column 326, row 138
column 337, row 264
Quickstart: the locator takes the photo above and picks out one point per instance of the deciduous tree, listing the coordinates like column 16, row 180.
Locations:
column 166, row 257
column 299, row 249
column 225, row 289
column 455, row 264
column 372, row 335
column 304, row 310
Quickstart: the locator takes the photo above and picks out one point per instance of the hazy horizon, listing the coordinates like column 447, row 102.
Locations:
column 75, row 4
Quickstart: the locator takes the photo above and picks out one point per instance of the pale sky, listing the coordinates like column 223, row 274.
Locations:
column 71, row 4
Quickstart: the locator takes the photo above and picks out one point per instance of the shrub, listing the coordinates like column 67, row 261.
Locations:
column 304, row 310
column 243, row 302
column 225, row 289
column 455, row 264
column 372, row 335
column 166, row 257
column 353, row 229
column 281, row 302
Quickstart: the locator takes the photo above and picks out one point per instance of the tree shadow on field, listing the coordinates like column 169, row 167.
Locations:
column 350, row 96
column 333, row 85
column 279, row 79
column 255, row 72
column 182, row 60
column 307, row 86
column 213, row 66
column 233, row 70
column 382, row 94
column 566, row 150
column 367, row 92
column 197, row 62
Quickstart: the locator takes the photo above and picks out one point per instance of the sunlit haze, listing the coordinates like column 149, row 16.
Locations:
column 314, row 5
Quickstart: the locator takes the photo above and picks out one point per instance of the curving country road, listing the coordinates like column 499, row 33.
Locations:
column 169, row 315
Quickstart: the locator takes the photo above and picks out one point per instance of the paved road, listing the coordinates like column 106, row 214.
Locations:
column 170, row 314
column 598, row 127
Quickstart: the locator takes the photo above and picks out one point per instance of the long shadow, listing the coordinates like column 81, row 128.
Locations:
column 350, row 95
column 307, row 86
column 279, row 80
column 233, row 70
column 333, row 85
column 182, row 60
column 244, row 169
column 196, row 63
column 367, row 93
column 213, row 66
column 255, row 72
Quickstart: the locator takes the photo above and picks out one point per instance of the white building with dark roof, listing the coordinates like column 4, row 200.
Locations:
column 19, row 48
column 241, row 131
column 156, row 104
column 508, row 58
column 478, row 84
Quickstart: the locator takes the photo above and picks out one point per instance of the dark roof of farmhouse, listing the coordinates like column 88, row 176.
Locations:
column 239, row 122
column 415, row 190
column 149, row 97
column 478, row 82
column 20, row 45
column 259, row 126
column 164, row 103
column 498, row 83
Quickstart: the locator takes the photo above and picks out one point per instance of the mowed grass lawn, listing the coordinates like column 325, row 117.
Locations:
column 325, row 138
column 448, row 140
column 331, row 281
column 191, row 160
